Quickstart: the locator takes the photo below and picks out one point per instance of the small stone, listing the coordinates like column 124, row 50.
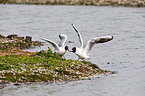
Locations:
column 28, row 38
column 12, row 36
column 16, row 84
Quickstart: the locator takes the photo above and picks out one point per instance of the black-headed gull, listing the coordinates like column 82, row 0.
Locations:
column 61, row 48
column 83, row 53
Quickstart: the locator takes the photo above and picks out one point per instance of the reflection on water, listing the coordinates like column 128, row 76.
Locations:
column 124, row 54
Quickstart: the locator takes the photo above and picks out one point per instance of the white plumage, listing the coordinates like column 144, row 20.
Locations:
column 83, row 52
column 61, row 48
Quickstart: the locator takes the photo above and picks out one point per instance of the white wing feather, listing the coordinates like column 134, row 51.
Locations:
column 52, row 43
column 79, row 35
column 96, row 40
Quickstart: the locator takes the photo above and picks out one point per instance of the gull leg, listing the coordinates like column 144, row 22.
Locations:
column 63, row 56
column 78, row 58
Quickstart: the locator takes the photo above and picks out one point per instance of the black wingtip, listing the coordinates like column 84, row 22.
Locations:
column 112, row 37
column 72, row 25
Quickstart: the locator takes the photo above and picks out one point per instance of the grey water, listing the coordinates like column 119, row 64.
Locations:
column 124, row 54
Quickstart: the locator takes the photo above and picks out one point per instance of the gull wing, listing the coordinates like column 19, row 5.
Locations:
column 79, row 35
column 96, row 40
column 63, row 39
column 52, row 43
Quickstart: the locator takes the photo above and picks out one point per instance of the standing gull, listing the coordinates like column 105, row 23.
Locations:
column 83, row 53
column 61, row 48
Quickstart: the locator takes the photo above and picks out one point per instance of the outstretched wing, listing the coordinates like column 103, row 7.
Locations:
column 52, row 43
column 63, row 39
column 96, row 40
column 79, row 35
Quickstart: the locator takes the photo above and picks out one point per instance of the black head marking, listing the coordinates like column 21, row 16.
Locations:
column 66, row 48
column 74, row 49
column 60, row 36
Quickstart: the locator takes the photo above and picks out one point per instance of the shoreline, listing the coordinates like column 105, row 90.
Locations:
column 126, row 3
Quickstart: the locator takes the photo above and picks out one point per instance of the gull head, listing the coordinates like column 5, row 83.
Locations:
column 66, row 48
column 73, row 50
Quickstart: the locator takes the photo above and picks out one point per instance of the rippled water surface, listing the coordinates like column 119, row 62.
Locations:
column 125, row 54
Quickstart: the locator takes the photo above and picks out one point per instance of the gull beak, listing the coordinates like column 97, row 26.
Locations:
column 69, row 50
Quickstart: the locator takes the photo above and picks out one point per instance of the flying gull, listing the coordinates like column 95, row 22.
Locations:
column 83, row 52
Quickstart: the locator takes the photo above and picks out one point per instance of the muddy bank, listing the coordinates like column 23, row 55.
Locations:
column 13, row 42
column 132, row 3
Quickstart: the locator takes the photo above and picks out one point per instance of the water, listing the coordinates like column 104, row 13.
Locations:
column 125, row 54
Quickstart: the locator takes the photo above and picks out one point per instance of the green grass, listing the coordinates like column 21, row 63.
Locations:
column 44, row 66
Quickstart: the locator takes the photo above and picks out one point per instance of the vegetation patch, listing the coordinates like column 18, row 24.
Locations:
column 44, row 66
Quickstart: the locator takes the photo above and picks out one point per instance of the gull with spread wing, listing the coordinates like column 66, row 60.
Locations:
column 83, row 53
column 61, row 48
